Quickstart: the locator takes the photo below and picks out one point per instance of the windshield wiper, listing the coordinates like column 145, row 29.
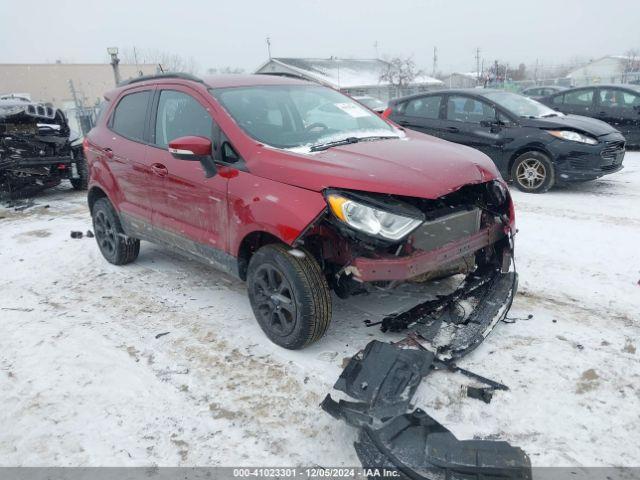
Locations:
column 547, row 115
column 347, row 141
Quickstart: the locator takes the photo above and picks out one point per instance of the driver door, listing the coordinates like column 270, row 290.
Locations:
column 193, row 210
column 473, row 122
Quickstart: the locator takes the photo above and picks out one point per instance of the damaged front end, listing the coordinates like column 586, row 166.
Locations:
column 35, row 151
column 368, row 242
column 469, row 232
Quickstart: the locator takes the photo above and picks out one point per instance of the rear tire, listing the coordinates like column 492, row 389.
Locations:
column 533, row 172
column 116, row 247
column 289, row 296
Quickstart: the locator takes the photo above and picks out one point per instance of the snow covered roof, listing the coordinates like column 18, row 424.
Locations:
column 341, row 72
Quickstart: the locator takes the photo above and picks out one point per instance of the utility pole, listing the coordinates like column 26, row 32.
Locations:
column 113, row 52
column 435, row 62
column 269, row 47
column 478, row 65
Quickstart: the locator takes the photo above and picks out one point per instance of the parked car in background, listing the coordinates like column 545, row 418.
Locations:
column 373, row 103
column 530, row 143
column 230, row 170
column 618, row 105
column 542, row 91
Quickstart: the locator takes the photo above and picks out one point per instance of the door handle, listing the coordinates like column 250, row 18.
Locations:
column 452, row 129
column 602, row 114
column 108, row 152
column 159, row 169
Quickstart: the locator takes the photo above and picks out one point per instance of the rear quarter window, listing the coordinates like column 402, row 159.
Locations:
column 130, row 115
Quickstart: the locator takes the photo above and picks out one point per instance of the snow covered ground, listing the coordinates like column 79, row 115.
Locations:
column 85, row 379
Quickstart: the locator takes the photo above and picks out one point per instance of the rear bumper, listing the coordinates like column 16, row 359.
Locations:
column 388, row 268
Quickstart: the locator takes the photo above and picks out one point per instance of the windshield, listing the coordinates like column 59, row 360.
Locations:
column 300, row 116
column 521, row 106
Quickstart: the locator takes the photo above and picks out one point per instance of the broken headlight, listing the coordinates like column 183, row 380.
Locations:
column 497, row 193
column 370, row 220
column 573, row 136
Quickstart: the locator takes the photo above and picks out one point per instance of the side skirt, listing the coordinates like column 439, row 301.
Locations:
column 138, row 228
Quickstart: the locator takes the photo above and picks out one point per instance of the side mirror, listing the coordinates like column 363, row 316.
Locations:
column 194, row 148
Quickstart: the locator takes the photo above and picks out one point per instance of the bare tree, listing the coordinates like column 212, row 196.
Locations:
column 169, row 62
column 400, row 73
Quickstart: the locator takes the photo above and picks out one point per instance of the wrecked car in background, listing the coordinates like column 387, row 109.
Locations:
column 232, row 171
column 36, row 150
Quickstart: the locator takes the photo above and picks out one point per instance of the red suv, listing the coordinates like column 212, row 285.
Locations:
column 291, row 186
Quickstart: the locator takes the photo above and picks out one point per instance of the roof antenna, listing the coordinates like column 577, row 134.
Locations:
column 160, row 68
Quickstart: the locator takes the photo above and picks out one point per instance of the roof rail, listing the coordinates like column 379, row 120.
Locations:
column 160, row 76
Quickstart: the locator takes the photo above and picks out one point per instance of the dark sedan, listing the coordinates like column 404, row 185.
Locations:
column 530, row 143
column 542, row 91
column 618, row 105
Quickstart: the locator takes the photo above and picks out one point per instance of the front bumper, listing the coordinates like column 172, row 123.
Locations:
column 35, row 161
column 576, row 162
column 387, row 268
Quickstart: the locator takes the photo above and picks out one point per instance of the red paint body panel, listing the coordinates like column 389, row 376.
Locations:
column 260, row 204
column 417, row 166
column 402, row 268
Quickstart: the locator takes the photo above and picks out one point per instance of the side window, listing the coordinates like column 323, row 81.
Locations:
column 130, row 115
column 558, row 99
column 614, row 98
column 470, row 110
column 179, row 115
column 579, row 98
column 425, row 107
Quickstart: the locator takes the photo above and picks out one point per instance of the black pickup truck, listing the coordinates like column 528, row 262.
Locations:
column 36, row 150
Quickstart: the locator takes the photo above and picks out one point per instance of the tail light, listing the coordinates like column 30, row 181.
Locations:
column 85, row 146
column 387, row 112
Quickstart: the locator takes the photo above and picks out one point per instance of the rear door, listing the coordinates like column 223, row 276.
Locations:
column 473, row 122
column 192, row 210
column 620, row 108
column 421, row 114
column 124, row 149
column 579, row 102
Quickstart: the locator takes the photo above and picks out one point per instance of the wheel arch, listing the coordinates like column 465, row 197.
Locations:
column 250, row 244
column 95, row 193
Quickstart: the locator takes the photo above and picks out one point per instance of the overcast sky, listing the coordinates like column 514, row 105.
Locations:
column 233, row 32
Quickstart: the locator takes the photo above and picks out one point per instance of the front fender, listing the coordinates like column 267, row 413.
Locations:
column 258, row 204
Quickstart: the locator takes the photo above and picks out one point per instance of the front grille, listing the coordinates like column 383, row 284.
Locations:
column 612, row 151
column 608, row 168
column 433, row 234
column 579, row 163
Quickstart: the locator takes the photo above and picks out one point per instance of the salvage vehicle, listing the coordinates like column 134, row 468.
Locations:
column 230, row 171
column 532, row 145
column 618, row 105
column 36, row 150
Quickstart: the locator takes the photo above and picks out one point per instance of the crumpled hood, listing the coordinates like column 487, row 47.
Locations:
column 418, row 166
column 592, row 126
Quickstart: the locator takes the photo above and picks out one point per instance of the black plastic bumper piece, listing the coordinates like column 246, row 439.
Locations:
column 418, row 447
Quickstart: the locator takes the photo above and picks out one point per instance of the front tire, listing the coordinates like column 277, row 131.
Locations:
column 116, row 247
column 533, row 172
column 289, row 296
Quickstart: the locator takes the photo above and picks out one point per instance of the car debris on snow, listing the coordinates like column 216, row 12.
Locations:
column 480, row 393
column 382, row 380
